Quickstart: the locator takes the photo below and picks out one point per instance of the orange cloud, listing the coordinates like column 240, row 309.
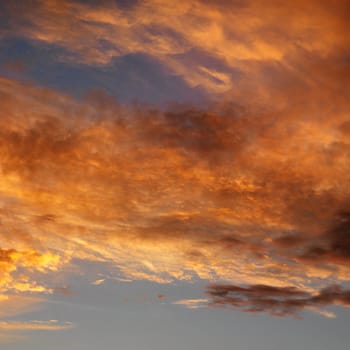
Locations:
column 231, row 193
column 15, row 304
column 253, row 190
column 11, row 330
column 52, row 325
column 12, row 260
column 237, row 36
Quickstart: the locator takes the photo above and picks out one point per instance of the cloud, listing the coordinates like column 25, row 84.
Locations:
column 99, row 282
column 192, row 303
column 254, row 189
column 15, row 304
column 51, row 325
column 240, row 36
column 18, row 304
column 12, row 330
column 12, row 260
column 251, row 193
column 237, row 192
column 334, row 244
column 278, row 301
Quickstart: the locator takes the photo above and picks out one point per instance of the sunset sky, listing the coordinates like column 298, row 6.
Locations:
column 174, row 174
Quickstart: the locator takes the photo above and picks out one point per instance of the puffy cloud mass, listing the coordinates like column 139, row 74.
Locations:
column 253, row 190
column 229, row 193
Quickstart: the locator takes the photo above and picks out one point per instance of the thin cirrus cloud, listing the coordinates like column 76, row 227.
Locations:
column 254, row 190
column 17, row 302
column 11, row 331
column 35, row 325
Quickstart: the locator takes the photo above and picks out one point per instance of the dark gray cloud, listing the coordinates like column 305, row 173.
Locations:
column 278, row 301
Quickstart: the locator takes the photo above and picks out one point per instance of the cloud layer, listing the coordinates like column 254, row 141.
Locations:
column 210, row 44
column 227, row 193
column 253, row 190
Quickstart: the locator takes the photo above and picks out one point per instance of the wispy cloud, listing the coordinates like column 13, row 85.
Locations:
column 15, row 304
column 223, row 36
column 34, row 325
column 192, row 303
column 18, row 304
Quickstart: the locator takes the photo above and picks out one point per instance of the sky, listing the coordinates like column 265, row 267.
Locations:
column 174, row 174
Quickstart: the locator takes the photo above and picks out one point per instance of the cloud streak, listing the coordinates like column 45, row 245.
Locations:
column 12, row 330
column 52, row 325
column 278, row 301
